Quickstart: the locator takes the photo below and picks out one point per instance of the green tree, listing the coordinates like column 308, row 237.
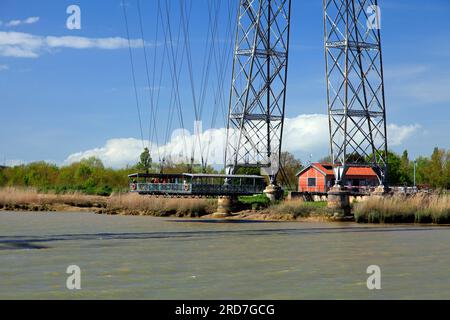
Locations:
column 251, row 171
column 436, row 169
column 93, row 163
column 405, row 169
column 209, row 170
column 88, row 176
column 290, row 166
column 3, row 177
column 422, row 164
column 394, row 168
column 83, row 173
column 447, row 170
column 40, row 175
column 146, row 161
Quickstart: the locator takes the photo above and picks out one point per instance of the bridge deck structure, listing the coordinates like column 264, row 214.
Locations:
column 198, row 185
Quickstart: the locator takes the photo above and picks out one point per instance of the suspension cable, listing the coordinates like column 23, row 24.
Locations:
column 175, row 74
column 221, row 71
column 208, row 54
column 133, row 73
column 214, row 55
column 158, row 89
column 192, row 82
column 152, row 121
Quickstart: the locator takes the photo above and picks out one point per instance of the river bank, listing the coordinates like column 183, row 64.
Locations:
column 421, row 209
column 19, row 200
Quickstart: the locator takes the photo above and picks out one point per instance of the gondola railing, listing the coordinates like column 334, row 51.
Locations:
column 194, row 189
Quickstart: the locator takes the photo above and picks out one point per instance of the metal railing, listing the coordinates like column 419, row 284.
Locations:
column 165, row 188
column 195, row 189
column 226, row 189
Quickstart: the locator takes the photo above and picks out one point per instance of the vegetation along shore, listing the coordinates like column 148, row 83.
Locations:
column 91, row 187
column 90, row 176
column 425, row 209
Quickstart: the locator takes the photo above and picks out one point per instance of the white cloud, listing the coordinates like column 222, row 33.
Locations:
column 25, row 45
column 304, row 133
column 89, row 43
column 15, row 23
column 126, row 151
column 115, row 153
column 397, row 135
column 17, row 44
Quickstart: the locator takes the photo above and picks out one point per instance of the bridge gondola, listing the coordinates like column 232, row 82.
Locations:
column 207, row 185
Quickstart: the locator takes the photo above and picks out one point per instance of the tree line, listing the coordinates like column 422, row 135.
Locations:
column 431, row 172
column 90, row 176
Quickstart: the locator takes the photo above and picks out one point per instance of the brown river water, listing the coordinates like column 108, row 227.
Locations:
column 154, row 258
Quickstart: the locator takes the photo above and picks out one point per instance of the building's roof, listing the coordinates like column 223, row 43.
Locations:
column 327, row 169
column 361, row 171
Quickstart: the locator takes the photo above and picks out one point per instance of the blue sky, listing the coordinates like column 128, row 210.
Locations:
column 66, row 98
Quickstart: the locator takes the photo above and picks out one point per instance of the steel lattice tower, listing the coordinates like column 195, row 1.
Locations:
column 356, row 100
column 258, row 92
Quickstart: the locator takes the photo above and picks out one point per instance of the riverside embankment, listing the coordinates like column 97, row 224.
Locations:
column 424, row 209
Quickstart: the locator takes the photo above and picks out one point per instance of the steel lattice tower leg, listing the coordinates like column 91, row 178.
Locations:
column 258, row 92
column 356, row 100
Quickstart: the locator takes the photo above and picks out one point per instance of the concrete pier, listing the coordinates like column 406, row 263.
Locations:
column 224, row 207
column 339, row 200
column 274, row 193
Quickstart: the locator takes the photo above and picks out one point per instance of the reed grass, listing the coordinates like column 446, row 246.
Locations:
column 13, row 197
column 124, row 203
column 141, row 205
column 396, row 209
column 401, row 209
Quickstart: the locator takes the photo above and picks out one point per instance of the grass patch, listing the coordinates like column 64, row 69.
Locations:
column 300, row 209
column 256, row 202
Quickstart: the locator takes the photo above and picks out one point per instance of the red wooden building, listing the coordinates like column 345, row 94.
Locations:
column 319, row 178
